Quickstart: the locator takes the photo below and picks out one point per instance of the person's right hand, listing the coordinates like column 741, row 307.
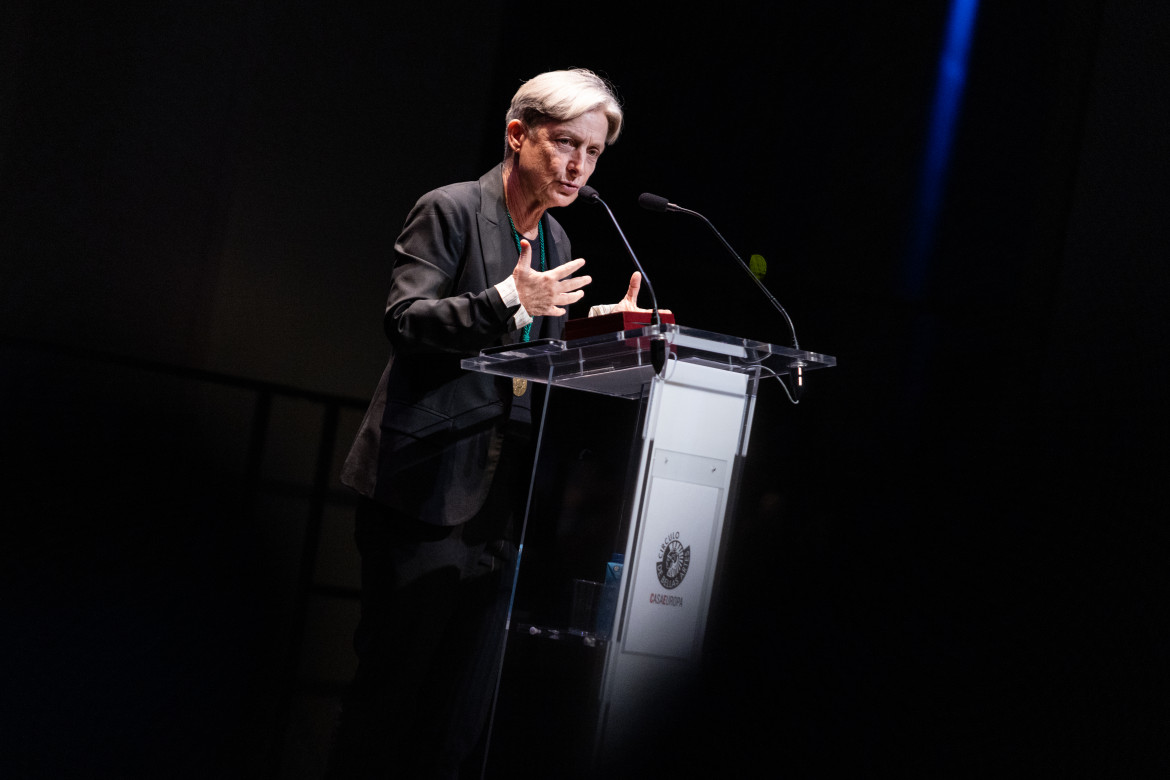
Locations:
column 546, row 293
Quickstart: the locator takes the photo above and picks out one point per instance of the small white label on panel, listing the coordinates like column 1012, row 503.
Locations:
column 675, row 560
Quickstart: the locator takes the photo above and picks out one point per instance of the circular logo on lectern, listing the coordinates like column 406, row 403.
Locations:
column 673, row 561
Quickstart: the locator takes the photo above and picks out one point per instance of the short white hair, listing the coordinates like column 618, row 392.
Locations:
column 561, row 95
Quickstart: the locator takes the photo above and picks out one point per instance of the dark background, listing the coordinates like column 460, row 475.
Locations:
column 949, row 557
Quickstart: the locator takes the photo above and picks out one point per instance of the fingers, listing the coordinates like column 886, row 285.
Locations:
column 635, row 286
column 568, row 269
column 545, row 293
column 574, row 283
column 565, row 282
column 525, row 260
column 630, row 302
column 564, row 298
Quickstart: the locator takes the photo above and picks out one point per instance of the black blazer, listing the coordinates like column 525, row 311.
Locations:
column 428, row 443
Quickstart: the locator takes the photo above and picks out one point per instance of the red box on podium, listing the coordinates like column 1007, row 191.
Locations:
column 612, row 323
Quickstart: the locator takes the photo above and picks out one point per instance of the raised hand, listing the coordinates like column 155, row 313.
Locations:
column 546, row 293
column 630, row 302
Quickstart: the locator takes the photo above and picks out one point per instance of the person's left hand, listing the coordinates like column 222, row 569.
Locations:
column 630, row 302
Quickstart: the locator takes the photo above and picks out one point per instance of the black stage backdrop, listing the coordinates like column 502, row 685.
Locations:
column 948, row 557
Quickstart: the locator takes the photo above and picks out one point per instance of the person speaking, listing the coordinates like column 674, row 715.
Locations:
column 441, row 459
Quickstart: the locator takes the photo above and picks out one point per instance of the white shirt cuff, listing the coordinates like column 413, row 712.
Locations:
column 507, row 291
column 601, row 309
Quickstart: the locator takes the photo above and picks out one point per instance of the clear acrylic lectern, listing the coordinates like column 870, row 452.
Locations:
column 621, row 544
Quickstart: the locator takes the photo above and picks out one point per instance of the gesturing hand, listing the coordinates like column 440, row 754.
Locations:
column 630, row 302
column 545, row 293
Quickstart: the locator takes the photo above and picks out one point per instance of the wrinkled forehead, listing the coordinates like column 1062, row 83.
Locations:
column 595, row 116
column 593, row 126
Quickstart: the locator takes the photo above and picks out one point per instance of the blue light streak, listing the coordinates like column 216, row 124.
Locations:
column 952, row 76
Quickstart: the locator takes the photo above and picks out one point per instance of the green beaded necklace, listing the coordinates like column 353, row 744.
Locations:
column 540, row 238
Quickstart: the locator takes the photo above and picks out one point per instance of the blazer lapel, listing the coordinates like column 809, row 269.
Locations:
column 495, row 234
column 496, row 240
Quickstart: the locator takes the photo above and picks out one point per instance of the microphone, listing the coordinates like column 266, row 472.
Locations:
column 658, row 345
column 660, row 204
column 656, row 203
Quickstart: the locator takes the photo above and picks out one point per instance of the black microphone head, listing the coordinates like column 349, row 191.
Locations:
column 589, row 194
column 653, row 202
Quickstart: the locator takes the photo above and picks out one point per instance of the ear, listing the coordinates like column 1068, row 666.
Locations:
column 517, row 134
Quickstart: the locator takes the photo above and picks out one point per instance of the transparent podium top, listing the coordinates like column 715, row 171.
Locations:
column 619, row 364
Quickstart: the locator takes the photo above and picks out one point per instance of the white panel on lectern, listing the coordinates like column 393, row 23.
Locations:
column 667, row 600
